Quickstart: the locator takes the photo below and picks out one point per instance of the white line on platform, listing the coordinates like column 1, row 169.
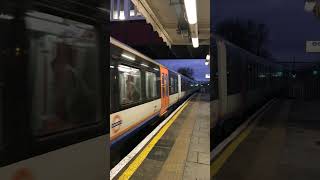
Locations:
column 116, row 169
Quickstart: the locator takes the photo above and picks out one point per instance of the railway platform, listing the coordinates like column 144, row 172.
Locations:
column 180, row 149
column 283, row 144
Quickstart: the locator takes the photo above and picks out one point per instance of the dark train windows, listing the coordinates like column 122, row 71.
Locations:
column 130, row 84
column 171, row 85
column 64, row 72
column 167, row 84
column 176, row 85
column 234, row 74
column 151, row 85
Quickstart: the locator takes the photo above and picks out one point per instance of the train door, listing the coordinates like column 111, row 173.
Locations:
column 164, row 90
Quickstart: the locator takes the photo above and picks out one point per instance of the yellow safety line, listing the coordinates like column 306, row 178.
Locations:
column 218, row 163
column 141, row 157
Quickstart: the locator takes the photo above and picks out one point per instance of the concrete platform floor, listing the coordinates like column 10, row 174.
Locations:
column 285, row 145
column 183, row 151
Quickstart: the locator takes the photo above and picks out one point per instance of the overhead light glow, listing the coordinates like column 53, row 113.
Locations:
column 128, row 57
column 111, row 67
column 121, row 16
column 191, row 10
column 156, row 69
column 206, row 63
column 144, row 65
column 195, row 42
column 208, row 57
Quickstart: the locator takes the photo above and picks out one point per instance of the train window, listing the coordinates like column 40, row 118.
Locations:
column 171, row 85
column 112, row 87
column 1, row 113
column 64, row 73
column 151, row 85
column 175, row 85
column 167, row 84
column 130, row 84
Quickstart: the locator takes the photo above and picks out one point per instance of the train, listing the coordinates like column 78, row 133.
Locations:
column 241, row 83
column 54, row 97
column 141, row 91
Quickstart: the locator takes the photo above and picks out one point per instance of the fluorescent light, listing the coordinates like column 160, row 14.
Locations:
column 195, row 42
column 208, row 57
column 156, row 69
column 132, row 13
column 121, row 16
column 144, row 65
column 111, row 67
column 115, row 14
column 191, row 10
column 206, row 63
column 128, row 57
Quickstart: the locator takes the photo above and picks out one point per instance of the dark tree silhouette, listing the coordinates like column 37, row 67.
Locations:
column 186, row 72
column 246, row 34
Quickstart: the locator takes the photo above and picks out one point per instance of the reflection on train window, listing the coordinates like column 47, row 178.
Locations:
column 63, row 71
column 130, row 84
column 176, row 85
column 151, row 85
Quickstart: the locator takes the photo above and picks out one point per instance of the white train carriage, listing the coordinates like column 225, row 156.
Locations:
column 141, row 91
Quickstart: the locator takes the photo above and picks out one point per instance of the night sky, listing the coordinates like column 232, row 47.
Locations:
column 198, row 66
column 289, row 25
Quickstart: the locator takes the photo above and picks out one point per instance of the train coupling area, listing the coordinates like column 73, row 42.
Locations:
column 179, row 148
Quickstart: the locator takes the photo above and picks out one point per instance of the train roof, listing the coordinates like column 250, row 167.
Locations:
column 137, row 53
column 257, row 58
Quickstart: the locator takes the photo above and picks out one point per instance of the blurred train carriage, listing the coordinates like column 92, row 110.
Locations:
column 53, row 91
column 242, row 82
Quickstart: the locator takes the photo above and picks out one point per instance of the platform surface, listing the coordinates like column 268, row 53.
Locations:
column 284, row 145
column 183, row 151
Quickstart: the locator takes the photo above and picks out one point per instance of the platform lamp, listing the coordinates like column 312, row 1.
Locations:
column 207, row 62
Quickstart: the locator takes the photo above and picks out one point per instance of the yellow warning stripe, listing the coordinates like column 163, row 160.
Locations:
column 218, row 163
column 141, row 157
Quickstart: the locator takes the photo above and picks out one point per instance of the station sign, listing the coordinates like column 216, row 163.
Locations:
column 312, row 46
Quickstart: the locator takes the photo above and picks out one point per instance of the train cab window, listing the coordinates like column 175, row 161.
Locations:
column 130, row 84
column 64, row 73
column 151, row 85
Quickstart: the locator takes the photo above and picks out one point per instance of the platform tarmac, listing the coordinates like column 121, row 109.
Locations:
column 183, row 150
column 284, row 145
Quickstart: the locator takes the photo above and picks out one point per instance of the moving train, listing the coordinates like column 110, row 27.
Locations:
column 141, row 91
column 241, row 83
column 53, row 90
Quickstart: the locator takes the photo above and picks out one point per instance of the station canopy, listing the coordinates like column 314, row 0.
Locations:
column 168, row 18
